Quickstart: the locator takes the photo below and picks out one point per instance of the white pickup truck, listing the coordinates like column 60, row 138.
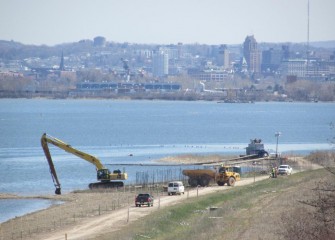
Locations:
column 176, row 187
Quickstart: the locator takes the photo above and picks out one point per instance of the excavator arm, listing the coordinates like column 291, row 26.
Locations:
column 47, row 154
column 103, row 174
column 68, row 148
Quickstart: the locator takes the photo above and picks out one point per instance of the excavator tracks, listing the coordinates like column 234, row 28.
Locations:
column 98, row 185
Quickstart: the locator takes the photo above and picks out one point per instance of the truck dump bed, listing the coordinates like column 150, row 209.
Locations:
column 199, row 172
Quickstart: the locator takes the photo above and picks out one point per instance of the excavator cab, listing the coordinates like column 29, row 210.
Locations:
column 103, row 175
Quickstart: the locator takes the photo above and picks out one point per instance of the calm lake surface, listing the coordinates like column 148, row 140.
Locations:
column 113, row 130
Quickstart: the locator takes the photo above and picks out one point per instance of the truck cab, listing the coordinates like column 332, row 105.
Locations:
column 144, row 199
column 227, row 175
column 176, row 187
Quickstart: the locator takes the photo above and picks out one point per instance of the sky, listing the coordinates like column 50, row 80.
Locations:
column 52, row 22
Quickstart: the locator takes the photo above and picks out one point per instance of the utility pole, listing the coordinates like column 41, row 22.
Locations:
column 277, row 134
column 307, row 52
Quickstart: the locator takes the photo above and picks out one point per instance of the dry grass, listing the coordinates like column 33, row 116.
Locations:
column 250, row 212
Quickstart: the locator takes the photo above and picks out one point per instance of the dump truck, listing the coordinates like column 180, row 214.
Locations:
column 202, row 177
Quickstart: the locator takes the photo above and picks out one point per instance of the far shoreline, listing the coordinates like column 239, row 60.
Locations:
column 149, row 99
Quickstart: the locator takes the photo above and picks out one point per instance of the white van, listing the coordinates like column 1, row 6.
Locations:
column 176, row 188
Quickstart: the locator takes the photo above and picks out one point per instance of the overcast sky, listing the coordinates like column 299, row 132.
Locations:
column 53, row 22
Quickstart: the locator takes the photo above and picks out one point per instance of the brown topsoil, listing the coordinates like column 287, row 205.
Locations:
column 86, row 214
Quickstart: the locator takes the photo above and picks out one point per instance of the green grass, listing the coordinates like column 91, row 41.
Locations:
column 192, row 219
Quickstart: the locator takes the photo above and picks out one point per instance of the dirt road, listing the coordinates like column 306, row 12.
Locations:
column 115, row 220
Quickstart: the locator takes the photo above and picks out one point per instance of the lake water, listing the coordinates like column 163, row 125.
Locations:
column 11, row 208
column 114, row 130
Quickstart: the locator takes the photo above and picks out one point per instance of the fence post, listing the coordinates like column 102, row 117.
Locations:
column 128, row 215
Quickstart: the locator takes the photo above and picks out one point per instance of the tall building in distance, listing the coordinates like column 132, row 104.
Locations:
column 223, row 57
column 61, row 65
column 252, row 55
column 160, row 64
column 271, row 60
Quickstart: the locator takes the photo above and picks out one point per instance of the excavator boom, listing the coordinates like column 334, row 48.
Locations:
column 68, row 148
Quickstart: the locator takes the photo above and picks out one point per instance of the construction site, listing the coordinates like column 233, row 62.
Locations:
column 112, row 196
column 110, row 208
column 220, row 171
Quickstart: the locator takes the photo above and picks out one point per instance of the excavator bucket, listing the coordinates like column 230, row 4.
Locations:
column 57, row 191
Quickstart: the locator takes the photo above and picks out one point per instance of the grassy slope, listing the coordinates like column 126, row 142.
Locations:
column 247, row 212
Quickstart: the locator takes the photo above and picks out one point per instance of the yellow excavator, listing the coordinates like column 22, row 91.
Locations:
column 104, row 175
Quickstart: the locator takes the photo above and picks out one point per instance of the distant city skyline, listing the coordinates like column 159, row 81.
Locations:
column 54, row 22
